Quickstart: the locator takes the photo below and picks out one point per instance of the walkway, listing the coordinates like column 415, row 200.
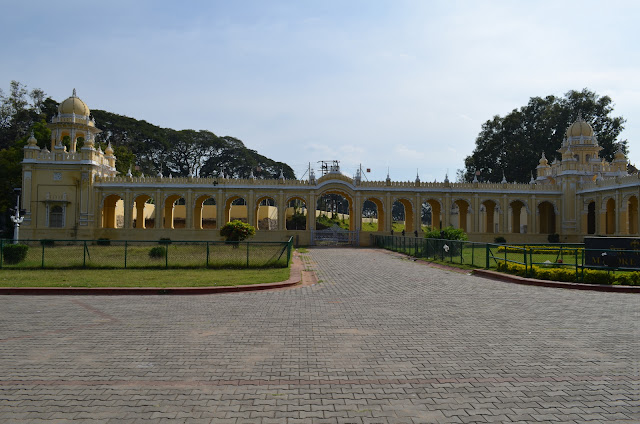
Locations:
column 379, row 339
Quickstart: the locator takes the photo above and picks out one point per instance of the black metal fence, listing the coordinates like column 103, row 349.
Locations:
column 145, row 254
column 563, row 262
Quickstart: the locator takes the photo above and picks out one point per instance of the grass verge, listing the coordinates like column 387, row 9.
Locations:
column 140, row 277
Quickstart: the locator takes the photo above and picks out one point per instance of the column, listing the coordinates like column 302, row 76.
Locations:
column 159, row 210
column 282, row 212
column 189, row 206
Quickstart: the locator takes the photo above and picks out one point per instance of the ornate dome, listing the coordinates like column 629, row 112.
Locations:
column 580, row 128
column 73, row 105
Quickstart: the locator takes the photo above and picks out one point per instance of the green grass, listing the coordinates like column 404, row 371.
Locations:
column 140, row 277
column 221, row 255
column 476, row 256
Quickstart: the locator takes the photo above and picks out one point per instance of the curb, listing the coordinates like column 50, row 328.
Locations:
column 508, row 278
column 295, row 278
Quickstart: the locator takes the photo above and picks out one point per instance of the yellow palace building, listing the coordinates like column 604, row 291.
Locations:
column 77, row 193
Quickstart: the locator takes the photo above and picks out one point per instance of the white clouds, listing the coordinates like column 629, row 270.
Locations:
column 406, row 84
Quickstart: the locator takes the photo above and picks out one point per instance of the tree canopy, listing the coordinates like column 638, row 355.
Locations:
column 513, row 144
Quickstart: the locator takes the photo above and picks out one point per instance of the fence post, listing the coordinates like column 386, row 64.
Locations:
column 289, row 250
column 247, row 243
column 84, row 255
column 486, row 245
column 1, row 251
column 42, row 241
column 207, row 254
column 461, row 249
column 166, row 255
column 125, row 253
column 526, row 272
column 576, row 255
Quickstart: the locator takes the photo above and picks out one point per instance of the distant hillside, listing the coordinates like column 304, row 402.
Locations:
column 150, row 149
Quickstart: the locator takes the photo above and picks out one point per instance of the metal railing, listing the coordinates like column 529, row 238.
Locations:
column 105, row 253
column 566, row 262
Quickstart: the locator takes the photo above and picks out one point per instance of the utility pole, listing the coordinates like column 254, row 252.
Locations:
column 17, row 220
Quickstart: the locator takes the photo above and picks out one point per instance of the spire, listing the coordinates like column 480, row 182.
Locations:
column 312, row 176
column 388, row 180
column 475, row 177
column 74, row 93
column 251, row 176
column 504, row 179
column 532, row 181
column 129, row 174
column 417, row 177
column 281, row 174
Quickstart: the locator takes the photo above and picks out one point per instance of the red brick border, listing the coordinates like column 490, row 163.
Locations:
column 508, row 278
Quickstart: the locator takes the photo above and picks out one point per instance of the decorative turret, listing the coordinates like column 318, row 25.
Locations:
column 32, row 143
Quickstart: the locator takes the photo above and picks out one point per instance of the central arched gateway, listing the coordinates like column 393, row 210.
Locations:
column 335, row 217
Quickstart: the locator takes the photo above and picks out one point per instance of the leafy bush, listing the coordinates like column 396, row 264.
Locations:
column 158, row 252
column 237, row 231
column 554, row 238
column 14, row 253
column 500, row 240
column 447, row 233
column 103, row 242
column 164, row 240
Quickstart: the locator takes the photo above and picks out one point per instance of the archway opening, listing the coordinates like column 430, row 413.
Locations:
column 205, row 213
column 113, row 212
column 610, row 217
column 431, row 215
column 236, row 209
column 143, row 212
column 591, row 218
column 333, row 208
column 489, row 221
column 460, row 214
column 632, row 208
column 174, row 212
column 518, row 217
column 266, row 214
column 402, row 216
column 547, row 218
column 296, row 214
column 372, row 215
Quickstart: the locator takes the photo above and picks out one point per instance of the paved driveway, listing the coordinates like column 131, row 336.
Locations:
column 379, row 339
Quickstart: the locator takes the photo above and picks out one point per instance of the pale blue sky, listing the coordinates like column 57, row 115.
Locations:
column 398, row 84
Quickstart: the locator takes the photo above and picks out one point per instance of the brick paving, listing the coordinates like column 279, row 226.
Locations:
column 379, row 339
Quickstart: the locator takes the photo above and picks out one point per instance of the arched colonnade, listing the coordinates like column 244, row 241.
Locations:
column 289, row 210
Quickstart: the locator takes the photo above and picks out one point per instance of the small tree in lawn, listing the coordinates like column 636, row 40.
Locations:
column 236, row 231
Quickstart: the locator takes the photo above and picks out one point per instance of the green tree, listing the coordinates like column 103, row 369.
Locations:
column 513, row 144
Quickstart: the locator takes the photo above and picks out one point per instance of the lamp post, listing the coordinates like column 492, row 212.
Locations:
column 17, row 219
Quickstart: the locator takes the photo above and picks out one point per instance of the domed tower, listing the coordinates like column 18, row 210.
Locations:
column 580, row 146
column 73, row 120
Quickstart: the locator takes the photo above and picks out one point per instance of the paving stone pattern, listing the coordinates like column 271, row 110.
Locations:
column 380, row 339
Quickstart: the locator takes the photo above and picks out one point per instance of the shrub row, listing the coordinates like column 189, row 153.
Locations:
column 590, row 276
column 551, row 250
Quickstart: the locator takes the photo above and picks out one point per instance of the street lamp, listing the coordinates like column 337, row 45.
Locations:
column 17, row 218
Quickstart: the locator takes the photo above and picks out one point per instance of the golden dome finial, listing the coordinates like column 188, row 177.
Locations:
column 74, row 93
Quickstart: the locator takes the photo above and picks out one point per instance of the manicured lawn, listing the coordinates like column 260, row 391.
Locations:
column 139, row 277
column 119, row 255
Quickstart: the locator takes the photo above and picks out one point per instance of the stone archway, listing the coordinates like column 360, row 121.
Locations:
column 266, row 214
column 113, row 212
column 372, row 215
column 403, row 209
column 547, row 215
